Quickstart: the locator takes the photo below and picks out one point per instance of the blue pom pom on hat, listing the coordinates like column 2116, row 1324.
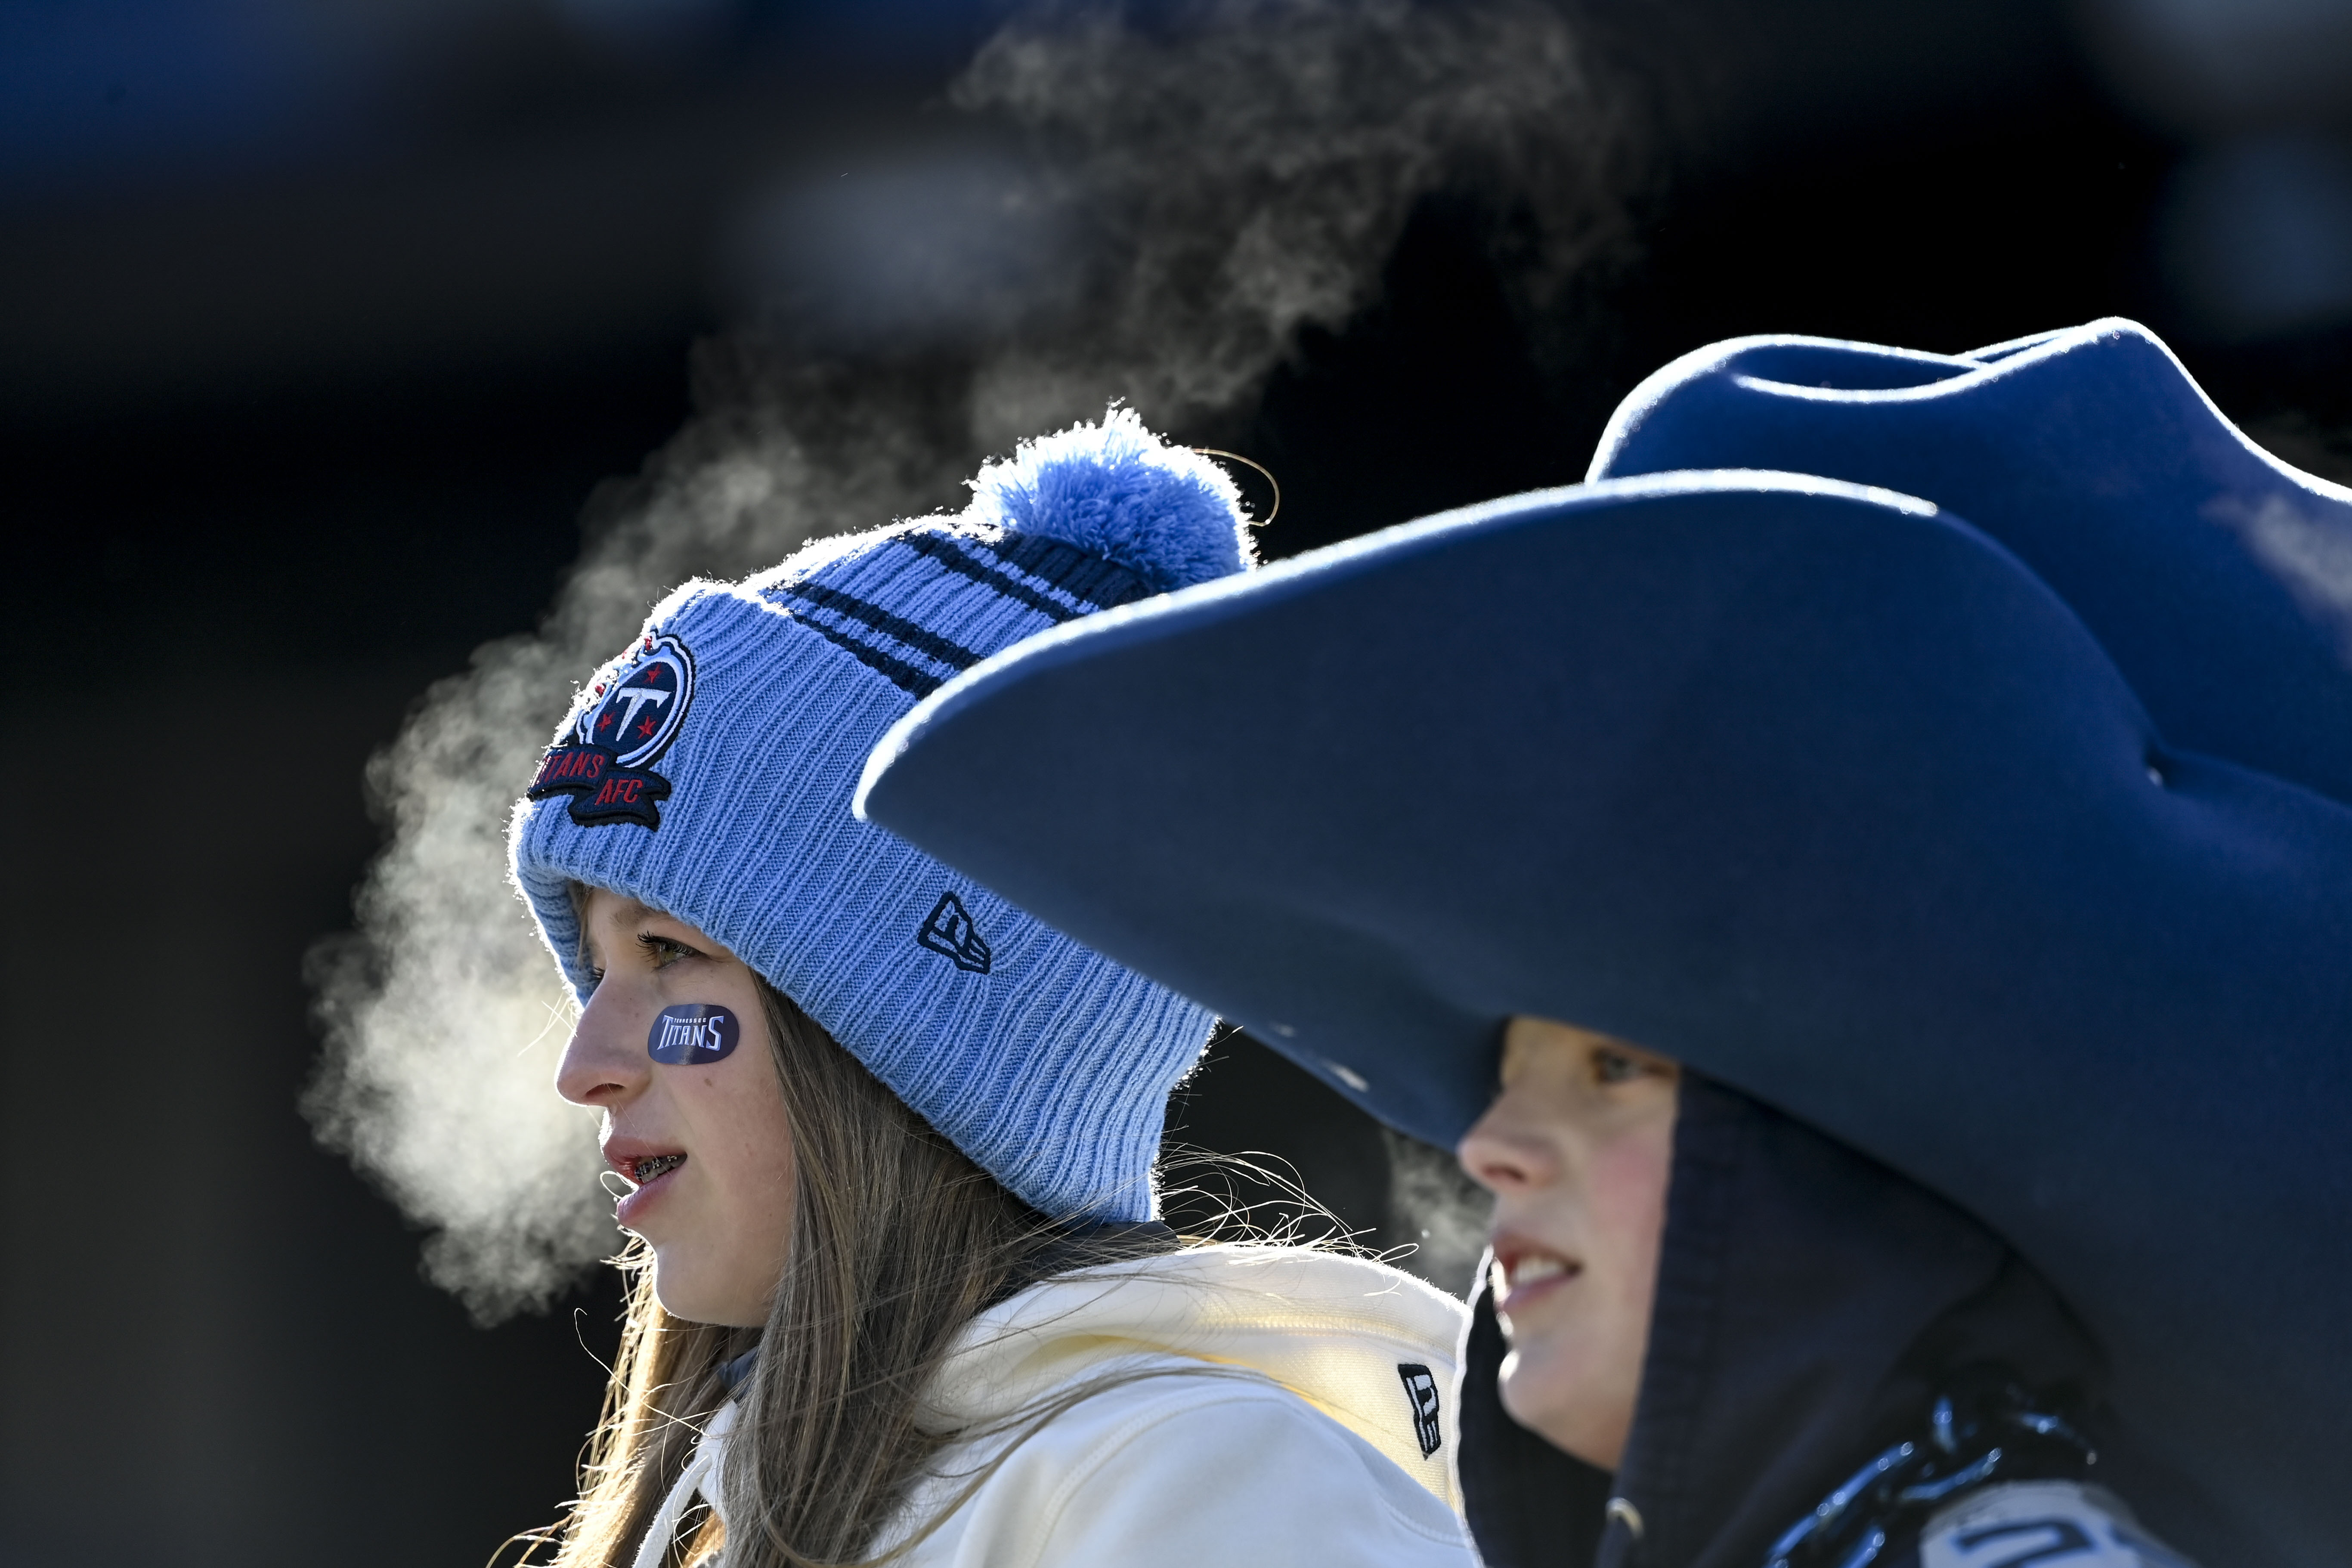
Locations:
column 1116, row 491
column 707, row 771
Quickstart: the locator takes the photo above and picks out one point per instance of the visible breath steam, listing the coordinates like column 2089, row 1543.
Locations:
column 1439, row 1210
column 1238, row 172
column 1254, row 173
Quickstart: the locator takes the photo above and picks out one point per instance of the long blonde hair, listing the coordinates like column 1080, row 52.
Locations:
column 898, row 1241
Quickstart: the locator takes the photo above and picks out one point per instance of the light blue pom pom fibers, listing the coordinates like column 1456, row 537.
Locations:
column 1116, row 490
column 707, row 771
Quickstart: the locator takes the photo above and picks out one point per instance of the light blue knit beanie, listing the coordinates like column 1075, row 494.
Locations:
column 707, row 771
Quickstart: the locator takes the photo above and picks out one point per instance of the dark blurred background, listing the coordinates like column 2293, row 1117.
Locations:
column 322, row 322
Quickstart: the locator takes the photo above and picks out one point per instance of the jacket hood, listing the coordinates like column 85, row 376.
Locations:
column 1812, row 1306
column 1373, row 1348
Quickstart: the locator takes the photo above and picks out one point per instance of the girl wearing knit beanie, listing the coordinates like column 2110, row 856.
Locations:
column 900, row 1291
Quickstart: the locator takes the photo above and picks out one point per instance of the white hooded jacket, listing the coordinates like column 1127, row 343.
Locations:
column 1258, row 1406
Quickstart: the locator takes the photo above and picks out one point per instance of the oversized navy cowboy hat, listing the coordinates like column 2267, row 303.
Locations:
column 1814, row 787
column 2218, row 578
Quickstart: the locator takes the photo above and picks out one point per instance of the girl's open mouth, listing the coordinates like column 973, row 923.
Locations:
column 653, row 1167
column 647, row 1174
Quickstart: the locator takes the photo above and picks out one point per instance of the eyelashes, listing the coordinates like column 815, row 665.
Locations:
column 662, row 951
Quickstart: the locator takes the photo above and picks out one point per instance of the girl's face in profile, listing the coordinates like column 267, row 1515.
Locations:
column 707, row 1145
column 1577, row 1150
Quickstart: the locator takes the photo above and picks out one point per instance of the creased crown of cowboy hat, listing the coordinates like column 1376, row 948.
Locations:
column 1819, row 788
column 2217, row 577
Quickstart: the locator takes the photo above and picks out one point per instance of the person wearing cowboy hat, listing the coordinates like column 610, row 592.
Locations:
column 1912, row 939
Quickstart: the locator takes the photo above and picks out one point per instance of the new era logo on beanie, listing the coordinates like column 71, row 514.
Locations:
column 948, row 929
column 1046, row 1063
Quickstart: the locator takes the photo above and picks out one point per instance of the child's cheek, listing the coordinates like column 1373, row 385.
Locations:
column 1629, row 1207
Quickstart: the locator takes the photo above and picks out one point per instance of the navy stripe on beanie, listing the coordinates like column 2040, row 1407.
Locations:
column 1055, row 581
column 1089, row 582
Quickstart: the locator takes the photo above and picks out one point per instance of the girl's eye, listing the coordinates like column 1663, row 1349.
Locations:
column 1615, row 1066
column 662, row 951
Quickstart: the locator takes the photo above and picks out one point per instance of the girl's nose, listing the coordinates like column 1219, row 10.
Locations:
column 605, row 1065
column 1502, row 1154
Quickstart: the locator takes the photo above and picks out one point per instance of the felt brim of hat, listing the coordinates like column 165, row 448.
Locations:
column 1813, row 787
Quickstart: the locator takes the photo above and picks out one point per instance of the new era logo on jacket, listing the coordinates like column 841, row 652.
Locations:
column 1421, row 1388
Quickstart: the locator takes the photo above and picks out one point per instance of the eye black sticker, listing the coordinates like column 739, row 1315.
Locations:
column 692, row 1035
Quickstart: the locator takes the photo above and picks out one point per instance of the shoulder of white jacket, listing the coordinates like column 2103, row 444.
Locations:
column 1223, row 1444
column 1370, row 1348
column 1310, row 1289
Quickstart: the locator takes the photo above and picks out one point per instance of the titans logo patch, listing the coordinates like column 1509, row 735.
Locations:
column 606, row 760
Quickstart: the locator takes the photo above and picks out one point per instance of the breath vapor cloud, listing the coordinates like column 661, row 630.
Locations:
column 1235, row 172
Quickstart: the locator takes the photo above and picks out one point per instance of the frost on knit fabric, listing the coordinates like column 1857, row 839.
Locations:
column 1117, row 490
